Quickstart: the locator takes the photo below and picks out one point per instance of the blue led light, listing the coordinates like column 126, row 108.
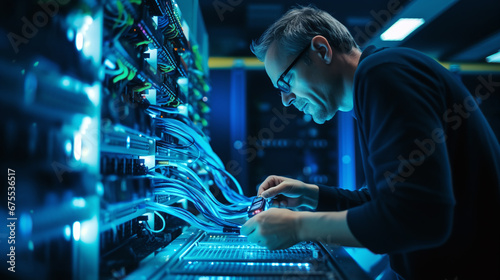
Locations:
column 70, row 34
column 79, row 202
column 77, row 147
column 346, row 159
column 68, row 147
column 79, row 41
column 109, row 64
column 76, row 231
column 25, row 224
column 99, row 189
column 237, row 144
column 65, row 82
column 67, row 232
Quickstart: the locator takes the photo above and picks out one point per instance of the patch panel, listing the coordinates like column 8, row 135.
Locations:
column 203, row 255
column 126, row 143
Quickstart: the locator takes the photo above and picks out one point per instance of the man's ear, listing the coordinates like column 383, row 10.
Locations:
column 322, row 49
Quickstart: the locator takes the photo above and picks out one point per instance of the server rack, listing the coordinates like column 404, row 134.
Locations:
column 105, row 112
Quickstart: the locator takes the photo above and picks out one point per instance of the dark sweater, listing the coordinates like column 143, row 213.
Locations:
column 432, row 168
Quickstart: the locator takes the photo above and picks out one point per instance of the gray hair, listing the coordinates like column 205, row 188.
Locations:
column 296, row 28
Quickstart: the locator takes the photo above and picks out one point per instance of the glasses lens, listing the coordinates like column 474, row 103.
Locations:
column 283, row 86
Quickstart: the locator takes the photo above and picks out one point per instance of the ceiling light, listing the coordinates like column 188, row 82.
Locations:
column 495, row 58
column 401, row 29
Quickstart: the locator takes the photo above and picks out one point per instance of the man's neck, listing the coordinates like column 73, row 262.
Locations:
column 352, row 61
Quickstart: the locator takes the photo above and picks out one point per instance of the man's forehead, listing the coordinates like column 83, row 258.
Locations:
column 274, row 62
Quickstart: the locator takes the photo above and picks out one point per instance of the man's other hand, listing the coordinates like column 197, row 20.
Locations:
column 289, row 193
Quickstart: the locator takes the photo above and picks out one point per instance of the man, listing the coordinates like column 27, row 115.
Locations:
column 431, row 161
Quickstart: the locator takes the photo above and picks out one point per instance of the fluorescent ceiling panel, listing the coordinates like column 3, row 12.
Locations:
column 427, row 10
column 494, row 58
column 401, row 29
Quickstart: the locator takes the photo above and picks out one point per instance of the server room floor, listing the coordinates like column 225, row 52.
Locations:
column 199, row 255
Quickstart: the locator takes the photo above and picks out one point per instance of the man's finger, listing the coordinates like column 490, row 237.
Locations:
column 270, row 182
column 253, row 237
column 272, row 192
column 248, row 227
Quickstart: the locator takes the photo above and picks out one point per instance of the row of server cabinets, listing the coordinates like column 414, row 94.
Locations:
column 105, row 109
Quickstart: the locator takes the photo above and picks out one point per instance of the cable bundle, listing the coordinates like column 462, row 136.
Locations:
column 187, row 184
column 187, row 216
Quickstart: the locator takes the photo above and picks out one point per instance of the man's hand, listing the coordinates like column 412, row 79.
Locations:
column 275, row 228
column 289, row 193
column 281, row 228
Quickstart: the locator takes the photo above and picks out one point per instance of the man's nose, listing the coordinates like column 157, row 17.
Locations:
column 287, row 98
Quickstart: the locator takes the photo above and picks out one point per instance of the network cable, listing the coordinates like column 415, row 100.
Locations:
column 190, row 218
column 230, row 195
column 207, row 209
column 230, row 209
column 163, row 221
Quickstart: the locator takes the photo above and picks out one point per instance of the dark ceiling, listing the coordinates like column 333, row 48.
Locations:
column 467, row 31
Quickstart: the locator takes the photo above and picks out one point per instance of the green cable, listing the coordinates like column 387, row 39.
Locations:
column 172, row 29
column 120, row 66
column 176, row 34
column 145, row 87
column 130, row 20
column 131, row 75
column 166, row 68
column 177, row 103
column 206, row 87
column 144, row 43
column 120, row 7
column 122, row 75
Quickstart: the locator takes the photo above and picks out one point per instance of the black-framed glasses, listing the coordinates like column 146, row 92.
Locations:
column 283, row 86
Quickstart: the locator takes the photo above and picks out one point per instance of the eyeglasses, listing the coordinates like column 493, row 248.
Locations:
column 283, row 86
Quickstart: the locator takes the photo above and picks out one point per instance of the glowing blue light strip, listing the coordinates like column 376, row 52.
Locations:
column 238, row 118
column 347, row 162
column 305, row 266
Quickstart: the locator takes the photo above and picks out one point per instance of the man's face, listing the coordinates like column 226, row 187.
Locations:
column 317, row 88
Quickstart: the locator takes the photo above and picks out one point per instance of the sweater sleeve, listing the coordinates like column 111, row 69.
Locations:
column 337, row 199
column 400, row 116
